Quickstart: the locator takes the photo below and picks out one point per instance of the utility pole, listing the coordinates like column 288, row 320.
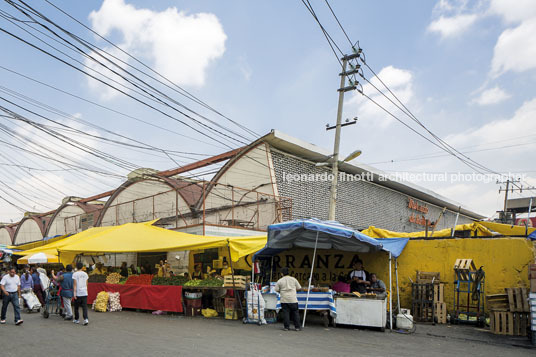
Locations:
column 335, row 157
column 508, row 182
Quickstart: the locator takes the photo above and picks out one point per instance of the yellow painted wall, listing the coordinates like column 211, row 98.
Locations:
column 505, row 262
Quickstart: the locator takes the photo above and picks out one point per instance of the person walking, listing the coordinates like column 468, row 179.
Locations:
column 80, row 279
column 287, row 287
column 67, row 290
column 10, row 286
column 38, row 290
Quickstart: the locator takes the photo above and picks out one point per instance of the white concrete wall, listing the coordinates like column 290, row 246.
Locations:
column 146, row 207
column 5, row 237
column 28, row 232
column 66, row 221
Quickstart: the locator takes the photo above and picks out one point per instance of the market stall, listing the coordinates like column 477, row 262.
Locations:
column 133, row 238
column 326, row 235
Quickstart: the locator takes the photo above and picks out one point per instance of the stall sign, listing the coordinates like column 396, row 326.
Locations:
column 329, row 264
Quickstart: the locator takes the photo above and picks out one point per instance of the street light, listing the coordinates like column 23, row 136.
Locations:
column 348, row 158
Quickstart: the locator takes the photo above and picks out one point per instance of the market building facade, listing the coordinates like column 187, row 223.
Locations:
column 274, row 179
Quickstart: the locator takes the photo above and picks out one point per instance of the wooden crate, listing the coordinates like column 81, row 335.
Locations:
column 441, row 312
column 240, row 281
column 502, row 322
column 517, row 299
column 497, row 302
column 425, row 277
column 422, row 302
column 231, row 314
column 439, row 295
column 464, row 267
column 219, row 305
column 521, row 323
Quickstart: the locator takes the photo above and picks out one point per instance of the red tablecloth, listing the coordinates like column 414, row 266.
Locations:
column 146, row 297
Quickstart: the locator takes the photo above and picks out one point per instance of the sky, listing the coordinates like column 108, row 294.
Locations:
column 465, row 70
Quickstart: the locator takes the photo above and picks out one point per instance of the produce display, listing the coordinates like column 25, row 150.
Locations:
column 101, row 302
column 143, row 279
column 114, row 304
column 113, row 278
column 210, row 282
column 97, row 278
column 174, row 281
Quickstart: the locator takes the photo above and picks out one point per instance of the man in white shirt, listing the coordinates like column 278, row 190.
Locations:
column 10, row 286
column 80, row 279
column 287, row 287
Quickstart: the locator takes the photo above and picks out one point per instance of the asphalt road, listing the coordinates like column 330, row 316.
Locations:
column 130, row 333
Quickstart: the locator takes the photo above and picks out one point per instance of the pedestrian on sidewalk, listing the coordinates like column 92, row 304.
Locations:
column 10, row 286
column 80, row 279
column 287, row 287
column 67, row 290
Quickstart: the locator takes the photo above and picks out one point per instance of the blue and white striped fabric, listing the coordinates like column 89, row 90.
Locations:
column 317, row 301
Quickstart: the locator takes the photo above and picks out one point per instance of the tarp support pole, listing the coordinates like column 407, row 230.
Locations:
column 528, row 218
column 310, row 279
column 232, row 273
column 390, row 294
column 397, row 287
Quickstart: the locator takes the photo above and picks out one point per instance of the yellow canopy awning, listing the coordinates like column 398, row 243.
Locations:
column 480, row 230
column 144, row 237
column 507, row 229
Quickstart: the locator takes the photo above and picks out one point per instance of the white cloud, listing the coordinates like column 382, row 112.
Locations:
column 515, row 49
column 452, row 26
column 491, row 96
column 178, row 45
column 398, row 80
column 522, row 10
column 522, row 122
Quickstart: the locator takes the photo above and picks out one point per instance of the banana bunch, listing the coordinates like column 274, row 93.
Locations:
column 113, row 278
column 101, row 302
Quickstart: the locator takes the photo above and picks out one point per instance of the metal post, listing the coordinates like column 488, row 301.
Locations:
column 505, row 200
column 456, row 222
column 204, row 216
column 310, row 278
column 528, row 218
column 232, row 274
column 397, row 287
column 335, row 158
column 390, row 294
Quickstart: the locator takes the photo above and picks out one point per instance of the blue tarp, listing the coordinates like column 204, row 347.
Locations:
column 394, row 245
column 331, row 235
column 532, row 236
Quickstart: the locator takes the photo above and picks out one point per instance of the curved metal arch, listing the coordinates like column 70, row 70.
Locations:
column 174, row 184
column 38, row 219
column 87, row 208
column 227, row 166
column 11, row 229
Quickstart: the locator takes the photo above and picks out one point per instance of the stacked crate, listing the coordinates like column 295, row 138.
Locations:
column 428, row 298
column 439, row 303
column 509, row 313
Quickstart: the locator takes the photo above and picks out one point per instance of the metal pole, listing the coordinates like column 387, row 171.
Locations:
column 232, row 274
column 390, row 294
column 528, row 218
column 310, row 278
column 397, row 287
column 456, row 222
column 505, row 200
column 335, row 158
